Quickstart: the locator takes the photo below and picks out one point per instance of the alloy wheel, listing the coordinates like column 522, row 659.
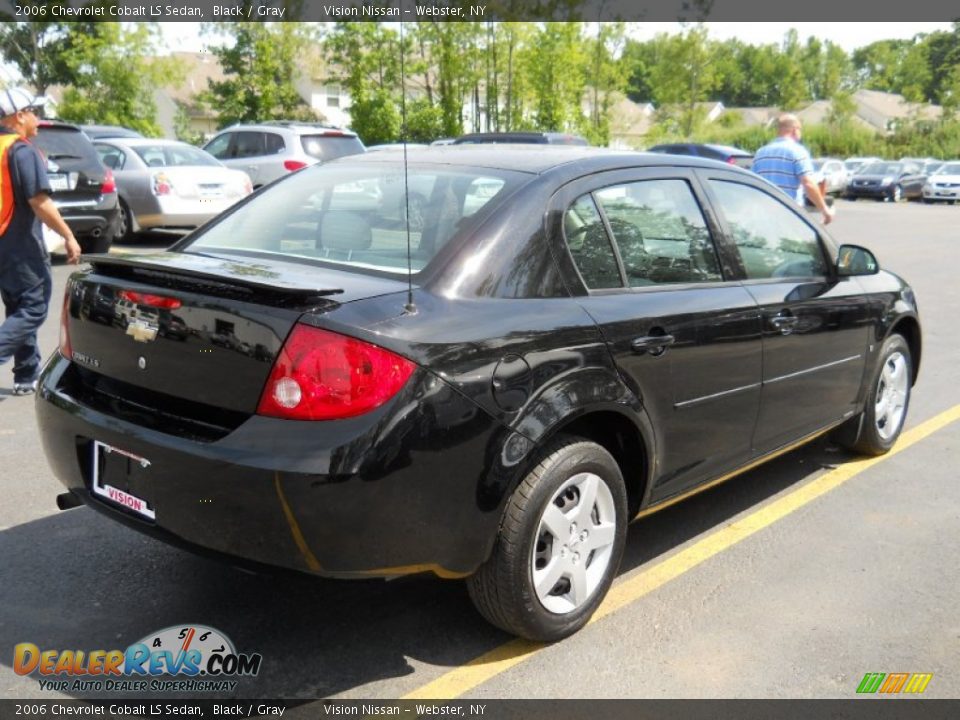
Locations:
column 574, row 543
column 891, row 396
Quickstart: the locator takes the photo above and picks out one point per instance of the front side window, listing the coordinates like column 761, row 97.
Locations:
column 219, row 146
column 660, row 232
column 771, row 239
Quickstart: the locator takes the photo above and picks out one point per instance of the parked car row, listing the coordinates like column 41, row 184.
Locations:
column 856, row 177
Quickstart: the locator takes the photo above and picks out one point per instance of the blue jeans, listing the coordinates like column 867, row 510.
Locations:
column 26, row 311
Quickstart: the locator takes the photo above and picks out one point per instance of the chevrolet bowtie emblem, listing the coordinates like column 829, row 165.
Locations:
column 141, row 331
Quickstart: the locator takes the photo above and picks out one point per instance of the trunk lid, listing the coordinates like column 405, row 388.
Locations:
column 201, row 329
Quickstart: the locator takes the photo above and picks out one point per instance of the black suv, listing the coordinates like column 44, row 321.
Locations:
column 83, row 188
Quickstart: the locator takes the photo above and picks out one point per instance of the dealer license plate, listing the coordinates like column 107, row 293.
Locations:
column 104, row 455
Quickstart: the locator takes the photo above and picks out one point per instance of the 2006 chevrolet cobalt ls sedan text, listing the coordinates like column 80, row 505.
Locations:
column 582, row 335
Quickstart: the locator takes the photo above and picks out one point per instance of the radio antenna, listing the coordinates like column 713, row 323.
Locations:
column 410, row 308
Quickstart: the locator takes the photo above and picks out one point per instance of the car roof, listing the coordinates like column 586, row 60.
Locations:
column 138, row 141
column 110, row 131
column 58, row 124
column 535, row 159
column 299, row 128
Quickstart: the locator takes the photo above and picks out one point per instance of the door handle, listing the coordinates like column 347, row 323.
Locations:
column 784, row 323
column 656, row 345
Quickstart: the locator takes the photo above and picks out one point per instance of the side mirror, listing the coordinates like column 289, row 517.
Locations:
column 855, row 260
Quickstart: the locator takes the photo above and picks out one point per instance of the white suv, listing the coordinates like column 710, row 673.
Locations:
column 270, row 150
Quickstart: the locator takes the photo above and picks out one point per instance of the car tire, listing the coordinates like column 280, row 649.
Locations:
column 124, row 223
column 559, row 545
column 896, row 194
column 888, row 400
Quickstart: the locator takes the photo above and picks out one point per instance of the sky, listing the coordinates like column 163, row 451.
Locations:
column 186, row 36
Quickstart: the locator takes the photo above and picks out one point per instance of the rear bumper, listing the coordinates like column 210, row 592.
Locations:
column 91, row 219
column 394, row 492
column 182, row 213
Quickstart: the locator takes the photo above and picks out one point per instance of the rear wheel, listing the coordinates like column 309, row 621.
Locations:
column 882, row 419
column 559, row 546
column 125, row 223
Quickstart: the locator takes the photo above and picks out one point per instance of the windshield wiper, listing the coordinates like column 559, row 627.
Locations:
column 63, row 156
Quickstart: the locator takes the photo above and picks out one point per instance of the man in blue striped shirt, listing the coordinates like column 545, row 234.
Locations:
column 786, row 163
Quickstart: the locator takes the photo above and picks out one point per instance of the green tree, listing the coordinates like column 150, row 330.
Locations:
column 114, row 77
column 39, row 50
column 555, row 66
column 683, row 76
column 260, row 68
column 609, row 77
column 365, row 59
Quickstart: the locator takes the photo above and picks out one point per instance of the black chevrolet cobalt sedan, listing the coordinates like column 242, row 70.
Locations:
column 570, row 337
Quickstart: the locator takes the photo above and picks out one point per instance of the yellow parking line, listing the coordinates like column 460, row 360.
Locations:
column 462, row 679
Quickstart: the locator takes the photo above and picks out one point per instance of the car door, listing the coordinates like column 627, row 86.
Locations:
column 815, row 325
column 912, row 180
column 684, row 337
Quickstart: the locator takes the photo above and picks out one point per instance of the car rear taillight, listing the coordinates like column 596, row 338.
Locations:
column 148, row 300
column 65, row 348
column 293, row 165
column 320, row 375
column 109, row 183
column 162, row 184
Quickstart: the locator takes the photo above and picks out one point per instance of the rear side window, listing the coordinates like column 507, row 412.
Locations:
column 328, row 147
column 114, row 158
column 590, row 246
column 273, row 144
column 174, row 156
column 660, row 232
column 772, row 240
column 249, row 144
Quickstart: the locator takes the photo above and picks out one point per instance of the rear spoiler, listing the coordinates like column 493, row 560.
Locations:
column 243, row 278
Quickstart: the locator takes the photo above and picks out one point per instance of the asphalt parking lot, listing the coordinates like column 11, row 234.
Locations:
column 790, row 581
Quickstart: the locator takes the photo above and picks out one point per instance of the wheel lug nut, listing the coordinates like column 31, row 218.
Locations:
column 584, row 535
column 573, row 529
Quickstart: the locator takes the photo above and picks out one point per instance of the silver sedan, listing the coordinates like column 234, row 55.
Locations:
column 167, row 184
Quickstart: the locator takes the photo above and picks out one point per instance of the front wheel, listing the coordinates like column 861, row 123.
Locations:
column 889, row 399
column 896, row 195
column 559, row 546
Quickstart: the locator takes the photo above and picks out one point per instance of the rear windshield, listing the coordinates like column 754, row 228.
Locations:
column 67, row 148
column 328, row 147
column 174, row 156
column 355, row 214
